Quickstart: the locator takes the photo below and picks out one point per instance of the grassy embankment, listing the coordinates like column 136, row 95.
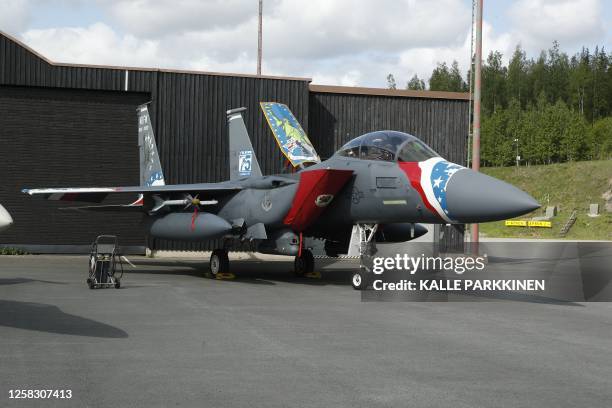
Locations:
column 568, row 186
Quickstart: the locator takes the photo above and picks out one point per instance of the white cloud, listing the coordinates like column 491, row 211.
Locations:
column 14, row 15
column 536, row 23
column 155, row 18
column 334, row 42
column 96, row 44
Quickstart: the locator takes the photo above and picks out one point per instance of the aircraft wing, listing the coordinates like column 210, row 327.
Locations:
column 97, row 194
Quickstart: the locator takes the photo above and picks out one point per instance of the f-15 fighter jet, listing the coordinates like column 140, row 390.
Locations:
column 381, row 186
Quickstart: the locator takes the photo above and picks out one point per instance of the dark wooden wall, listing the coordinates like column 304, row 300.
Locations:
column 337, row 118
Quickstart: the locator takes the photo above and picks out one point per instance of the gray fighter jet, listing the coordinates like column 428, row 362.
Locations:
column 379, row 187
column 5, row 219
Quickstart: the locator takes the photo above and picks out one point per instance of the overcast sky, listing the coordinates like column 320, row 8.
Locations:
column 338, row 42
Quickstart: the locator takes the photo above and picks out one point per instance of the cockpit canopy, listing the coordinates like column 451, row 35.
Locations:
column 387, row 145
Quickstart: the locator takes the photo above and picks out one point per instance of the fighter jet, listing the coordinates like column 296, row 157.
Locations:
column 5, row 219
column 379, row 187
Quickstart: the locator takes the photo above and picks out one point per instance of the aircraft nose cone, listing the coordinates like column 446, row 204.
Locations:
column 5, row 219
column 476, row 197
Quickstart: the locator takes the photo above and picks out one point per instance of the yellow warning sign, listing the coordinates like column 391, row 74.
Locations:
column 516, row 223
column 541, row 224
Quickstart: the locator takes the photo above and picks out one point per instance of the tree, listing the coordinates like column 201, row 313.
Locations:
column 391, row 82
column 493, row 83
column 443, row 79
column 517, row 85
column 416, row 84
column 600, row 140
column 558, row 74
column 440, row 78
column 579, row 78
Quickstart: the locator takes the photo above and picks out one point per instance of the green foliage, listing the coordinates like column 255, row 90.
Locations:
column 559, row 108
column 391, row 82
column 12, row 251
column 567, row 186
column 445, row 79
column 416, row 84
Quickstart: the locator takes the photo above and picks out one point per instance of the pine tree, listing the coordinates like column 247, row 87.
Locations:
column 391, row 82
column 416, row 84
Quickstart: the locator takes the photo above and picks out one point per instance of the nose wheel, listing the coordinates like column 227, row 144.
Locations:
column 219, row 262
column 303, row 263
column 361, row 279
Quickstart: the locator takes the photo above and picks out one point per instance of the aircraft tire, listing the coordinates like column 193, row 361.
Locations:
column 304, row 264
column 219, row 262
column 361, row 279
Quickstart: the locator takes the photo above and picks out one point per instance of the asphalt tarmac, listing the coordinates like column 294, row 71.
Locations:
column 169, row 337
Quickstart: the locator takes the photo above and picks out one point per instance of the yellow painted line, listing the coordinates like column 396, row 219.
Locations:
column 221, row 276
column 541, row 224
column 313, row 275
column 516, row 223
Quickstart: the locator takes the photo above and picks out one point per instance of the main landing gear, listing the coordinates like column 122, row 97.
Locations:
column 365, row 233
column 219, row 262
column 304, row 263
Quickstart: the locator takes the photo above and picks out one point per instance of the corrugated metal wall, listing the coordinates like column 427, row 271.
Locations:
column 337, row 118
column 188, row 111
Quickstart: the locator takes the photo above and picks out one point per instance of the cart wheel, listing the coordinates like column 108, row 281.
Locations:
column 117, row 284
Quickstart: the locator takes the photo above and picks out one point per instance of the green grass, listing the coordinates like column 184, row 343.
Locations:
column 567, row 186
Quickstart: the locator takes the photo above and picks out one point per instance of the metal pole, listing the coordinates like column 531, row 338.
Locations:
column 477, row 93
column 259, row 39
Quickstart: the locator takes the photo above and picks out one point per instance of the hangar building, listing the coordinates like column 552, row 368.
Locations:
column 75, row 125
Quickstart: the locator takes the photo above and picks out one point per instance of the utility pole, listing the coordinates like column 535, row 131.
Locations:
column 518, row 158
column 259, row 39
column 477, row 93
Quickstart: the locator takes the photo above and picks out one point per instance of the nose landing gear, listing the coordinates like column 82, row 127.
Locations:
column 365, row 234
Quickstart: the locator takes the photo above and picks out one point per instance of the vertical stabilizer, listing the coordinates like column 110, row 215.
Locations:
column 151, row 173
column 243, row 162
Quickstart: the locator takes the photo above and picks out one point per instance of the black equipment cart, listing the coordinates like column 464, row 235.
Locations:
column 105, row 263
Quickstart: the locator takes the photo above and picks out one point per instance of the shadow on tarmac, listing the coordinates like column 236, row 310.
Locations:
column 16, row 281
column 51, row 319
column 245, row 271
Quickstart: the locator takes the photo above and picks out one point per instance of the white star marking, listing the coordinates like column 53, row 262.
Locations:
column 437, row 182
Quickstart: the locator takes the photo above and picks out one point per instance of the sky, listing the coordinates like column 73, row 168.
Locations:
column 334, row 42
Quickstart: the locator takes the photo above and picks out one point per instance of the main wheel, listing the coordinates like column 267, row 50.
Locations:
column 304, row 264
column 361, row 279
column 219, row 262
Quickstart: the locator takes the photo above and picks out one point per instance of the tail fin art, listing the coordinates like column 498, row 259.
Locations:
column 151, row 173
column 289, row 135
column 243, row 162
